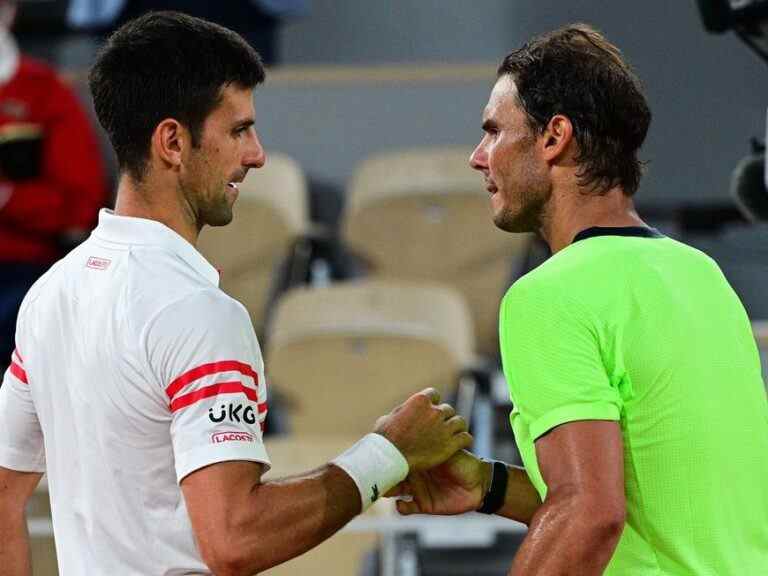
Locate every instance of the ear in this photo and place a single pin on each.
(169, 142)
(557, 137)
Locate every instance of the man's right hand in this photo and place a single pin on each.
(454, 487)
(426, 432)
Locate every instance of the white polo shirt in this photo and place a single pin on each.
(132, 369)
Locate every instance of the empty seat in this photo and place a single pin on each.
(269, 216)
(348, 353)
(424, 214)
(343, 553)
(41, 543)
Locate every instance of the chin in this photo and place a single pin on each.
(510, 223)
(220, 217)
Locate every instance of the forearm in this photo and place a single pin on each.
(284, 518)
(14, 545)
(567, 536)
(521, 500)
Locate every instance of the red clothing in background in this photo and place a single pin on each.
(66, 197)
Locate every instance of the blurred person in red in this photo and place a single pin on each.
(51, 176)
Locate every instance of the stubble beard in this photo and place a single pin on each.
(208, 207)
(529, 217)
(217, 211)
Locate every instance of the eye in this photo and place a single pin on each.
(240, 130)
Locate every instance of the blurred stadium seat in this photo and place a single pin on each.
(342, 554)
(41, 542)
(270, 217)
(348, 353)
(423, 214)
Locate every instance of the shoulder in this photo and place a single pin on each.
(200, 327)
(207, 312)
(48, 281)
(688, 254)
(544, 283)
(560, 289)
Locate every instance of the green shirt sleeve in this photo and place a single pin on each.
(552, 359)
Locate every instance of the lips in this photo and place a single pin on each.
(237, 179)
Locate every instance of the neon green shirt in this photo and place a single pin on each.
(627, 325)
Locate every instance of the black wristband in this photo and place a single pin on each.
(494, 498)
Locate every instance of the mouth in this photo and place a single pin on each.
(491, 188)
(237, 180)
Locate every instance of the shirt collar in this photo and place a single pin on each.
(145, 232)
(637, 231)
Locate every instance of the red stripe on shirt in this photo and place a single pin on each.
(18, 356)
(214, 390)
(208, 369)
(19, 372)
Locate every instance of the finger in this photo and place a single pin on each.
(447, 410)
(432, 394)
(457, 424)
(420, 491)
(405, 508)
(463, 440)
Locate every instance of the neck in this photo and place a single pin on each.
(571, 211)
(145, 200)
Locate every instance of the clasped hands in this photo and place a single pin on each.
(444, 477)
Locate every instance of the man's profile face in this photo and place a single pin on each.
(515, 177)
(229, 146)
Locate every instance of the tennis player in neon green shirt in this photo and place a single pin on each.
(639, 407)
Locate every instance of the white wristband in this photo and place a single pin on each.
(376, 466)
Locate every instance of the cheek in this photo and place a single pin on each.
(500, 161)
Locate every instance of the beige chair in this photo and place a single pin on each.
(41, 543)
(269, 216)
(424, 214)
(343, 553)
(760, 328)
(346, 354)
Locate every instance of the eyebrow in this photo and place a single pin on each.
(246, 123)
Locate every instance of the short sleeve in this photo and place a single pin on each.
(205, 357)
(552, 360)
(21, 438)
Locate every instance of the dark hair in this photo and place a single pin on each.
(576, 72)
(165, 65)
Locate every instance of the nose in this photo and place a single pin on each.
(255, 156)
(479, 157)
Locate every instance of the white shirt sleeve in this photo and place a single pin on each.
(203, 352)
(21, 438)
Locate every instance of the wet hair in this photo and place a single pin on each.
(165, 65)
(576, 72)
